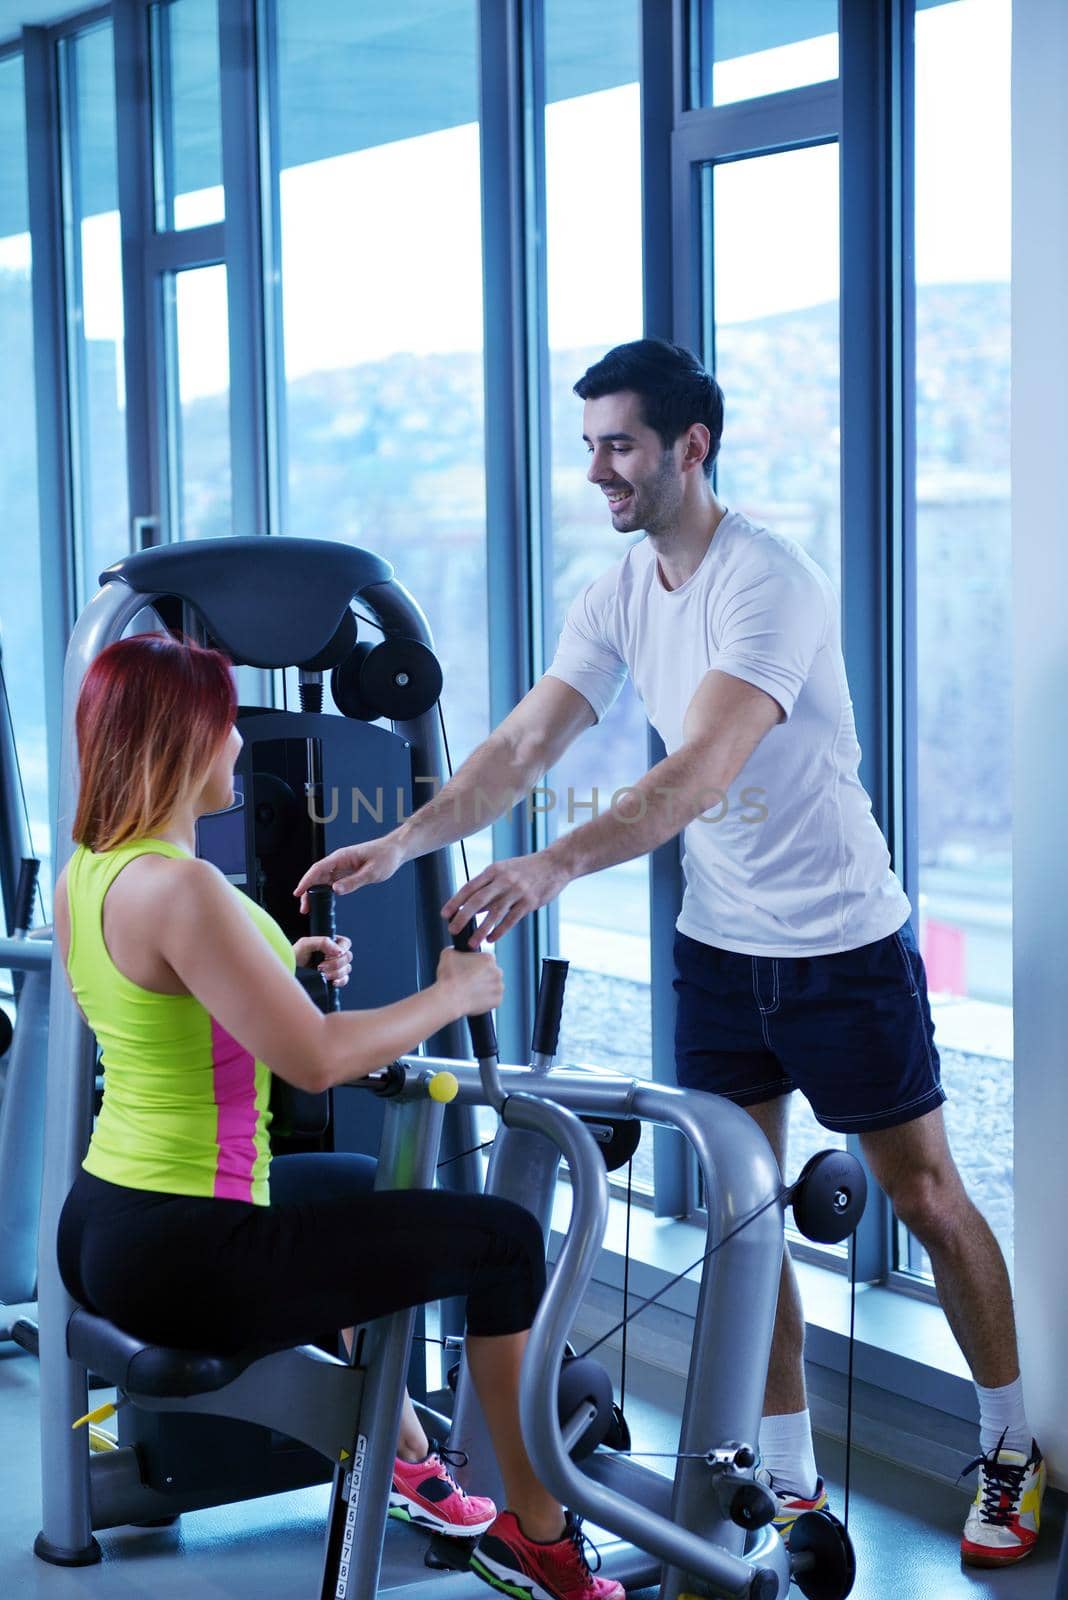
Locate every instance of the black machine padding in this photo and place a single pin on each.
(141, 1368)
(234, 584)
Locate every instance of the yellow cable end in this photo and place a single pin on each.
(443, 1087)
(101, 1414)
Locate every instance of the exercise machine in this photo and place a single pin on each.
(281, 602)
(25, 952)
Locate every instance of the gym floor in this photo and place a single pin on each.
(905, 1527)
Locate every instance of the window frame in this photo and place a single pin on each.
(868, 110)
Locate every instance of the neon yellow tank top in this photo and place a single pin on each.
(186, 1108)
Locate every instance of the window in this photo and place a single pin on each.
(379, 208)
(964, 582)
(739, 50)
(188, 124)
(20, 556)
(773, 226)
(199, 400)
(770, 236)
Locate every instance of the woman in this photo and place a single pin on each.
(170, 1230)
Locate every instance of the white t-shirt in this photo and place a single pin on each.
(793, 862)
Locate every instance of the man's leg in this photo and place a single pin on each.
(785, 1389)
(786, 1430)
(914, 1166)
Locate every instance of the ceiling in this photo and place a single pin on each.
(18, 14)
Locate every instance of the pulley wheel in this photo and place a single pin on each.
(583, 1379)
(752, 1506)
(616, 1138)
(345, 686)
(402, 677)
(829, 1196)
(822, 1561)
(275, 812)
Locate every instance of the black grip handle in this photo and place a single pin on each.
(25, 889)
(483, 1033)
(321, 920)
(550, 1006)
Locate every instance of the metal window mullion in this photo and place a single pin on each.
(161, 78)
(187, 249)
(66, 64)
(250, 445)
(871, 411)
(539, 588)
(905, 840)
(51, 381)
(504, 31)
(270, 122)
(146, 422)
(675, 1182)
(905, 845)
(771, 122)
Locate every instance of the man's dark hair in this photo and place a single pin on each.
(675, 389)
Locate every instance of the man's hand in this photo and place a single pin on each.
(353, 867)
(336, 964)
(505, 891)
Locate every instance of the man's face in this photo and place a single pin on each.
(639, 478)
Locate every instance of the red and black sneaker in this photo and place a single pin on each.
(515, 1565)
(426, 1493)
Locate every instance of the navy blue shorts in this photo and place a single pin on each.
(852, 1031)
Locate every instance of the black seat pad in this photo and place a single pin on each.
(152, 1369)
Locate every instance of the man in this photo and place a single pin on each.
(796, 966)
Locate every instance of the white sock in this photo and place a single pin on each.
(786, 1451)
(1001, 1411)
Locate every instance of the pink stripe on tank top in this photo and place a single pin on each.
(234, 1075)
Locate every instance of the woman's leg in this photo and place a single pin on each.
(494, 1363)
(336, 1176)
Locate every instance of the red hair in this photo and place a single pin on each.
(152, 714)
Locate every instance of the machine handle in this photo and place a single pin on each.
(483, 1033)
(25, 890)
(550, 1006)
(321, 920)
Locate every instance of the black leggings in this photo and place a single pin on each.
(327, 1252)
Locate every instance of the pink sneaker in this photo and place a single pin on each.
(510, 1562)
(427, 1494)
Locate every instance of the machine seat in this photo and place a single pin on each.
(152, 1369)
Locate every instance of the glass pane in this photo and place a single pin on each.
(382, 309)
(595, 301)
(200, 384)
(94, 290)
(964, 580)
(771, 229)
(20, 556)
(188, 117)
(739, 50)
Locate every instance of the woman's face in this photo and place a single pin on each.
(218, 790)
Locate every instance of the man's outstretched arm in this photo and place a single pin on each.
(724, 723)
(500, 771)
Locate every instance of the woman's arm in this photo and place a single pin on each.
(227, 964)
